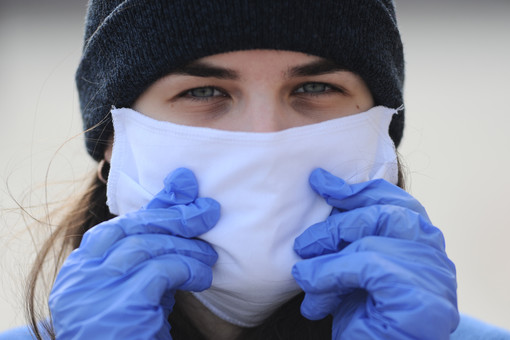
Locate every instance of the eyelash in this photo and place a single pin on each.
(328, 89)
(188, 93)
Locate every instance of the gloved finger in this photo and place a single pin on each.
(429, 265)
(315, 306)
(318, 306)
(169, 273)
(186, 221)
(363, 320)
(180, 187)
(126, 254)
(344, 196)
(146, 287)
(341, 229)
(411, 315)
(372, 265)
(396, 299)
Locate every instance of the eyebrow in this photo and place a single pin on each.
(205, 70)
(314, 68)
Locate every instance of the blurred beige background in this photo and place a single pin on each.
(456, 145)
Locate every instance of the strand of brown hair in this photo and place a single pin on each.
(87, 211)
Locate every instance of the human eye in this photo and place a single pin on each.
(203, 93)
(314, 88)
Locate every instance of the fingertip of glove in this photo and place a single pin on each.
(211, 209)
(200, 276)
(298, 245)
(309, 311)
(182, 172)
(303, 247)
(296, 273)
(211, 256)
(323, 182)
(182, 185)
(317, 240)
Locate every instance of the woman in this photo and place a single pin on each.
(287, 87)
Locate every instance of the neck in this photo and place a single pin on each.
(211, 326)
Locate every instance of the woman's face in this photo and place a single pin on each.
(255, 91)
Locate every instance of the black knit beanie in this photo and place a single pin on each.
(129, 44)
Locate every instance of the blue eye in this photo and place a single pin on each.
(204, 92)
(314, 88)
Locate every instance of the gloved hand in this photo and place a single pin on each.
(377, 265)
(120, 282)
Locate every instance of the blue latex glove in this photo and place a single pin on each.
(120, 282)
(377, 265)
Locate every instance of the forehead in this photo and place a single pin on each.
(275, 56)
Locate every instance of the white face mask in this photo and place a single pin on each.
(261, 183)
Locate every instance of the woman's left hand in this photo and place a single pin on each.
(377, 265)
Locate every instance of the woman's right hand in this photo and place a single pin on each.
(120, 283)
